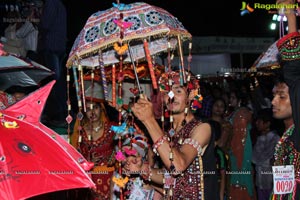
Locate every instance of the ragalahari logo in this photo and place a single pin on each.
(246, 9)
(271, 8)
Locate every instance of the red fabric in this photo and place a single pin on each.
(33, 154)
(100, 152)
(241, 119)
(238, 192)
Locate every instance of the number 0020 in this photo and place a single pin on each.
(284, 186)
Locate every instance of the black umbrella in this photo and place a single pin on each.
(15, 71)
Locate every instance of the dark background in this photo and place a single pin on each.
(212, 18)
(200, 18)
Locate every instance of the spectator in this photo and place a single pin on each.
(12, 95)
(52, 45)
(218, 112)
(12, 43)
(28, 32)
(6, 100)
(205, 111)
(19, 92)
(263, 153)
(240, 153)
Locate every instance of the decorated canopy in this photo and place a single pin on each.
(140, 21)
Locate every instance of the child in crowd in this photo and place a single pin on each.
(263, 152)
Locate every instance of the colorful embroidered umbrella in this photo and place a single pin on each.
(268, 59)
(140, 21)
(126, 33)
(34, 159)
(15, 71)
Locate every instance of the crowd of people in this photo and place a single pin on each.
(230, 147)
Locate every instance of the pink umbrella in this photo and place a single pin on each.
(34, 159)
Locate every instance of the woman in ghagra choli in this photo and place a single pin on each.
(94, 139)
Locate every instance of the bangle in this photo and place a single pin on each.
(159, 142)
(193, 143)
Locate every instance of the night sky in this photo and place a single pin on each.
(210, 18)
(213, 18)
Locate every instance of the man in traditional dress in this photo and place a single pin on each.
(286, 104)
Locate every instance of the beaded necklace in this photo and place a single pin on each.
(172, 131)
(280, 148)
(283, 151)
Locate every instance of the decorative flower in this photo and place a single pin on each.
(197, 102)
(130, 151)
(120, 156)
